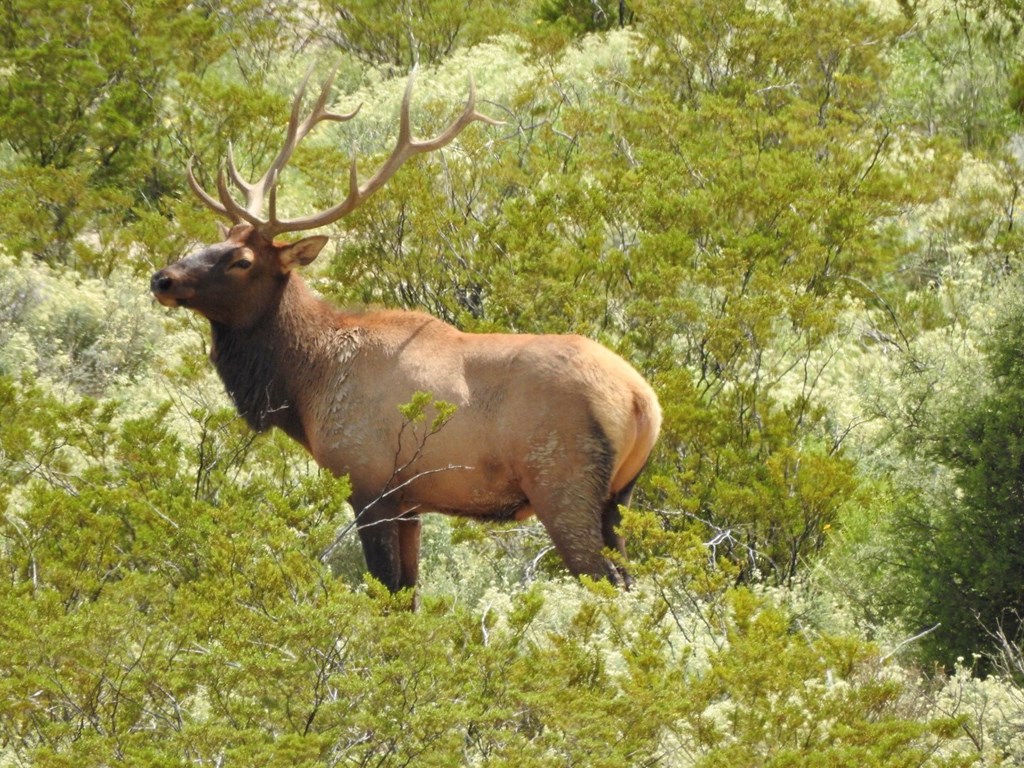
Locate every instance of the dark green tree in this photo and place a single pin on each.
(965, 555)
(82, 94)
(582, 16)
(98, 108)
(761, 172)
(394, 37)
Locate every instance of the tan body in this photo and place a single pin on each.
(504, 429)
(557, 426)
(498, 429)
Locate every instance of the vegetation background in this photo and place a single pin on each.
(801, 221)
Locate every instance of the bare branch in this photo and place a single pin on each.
(909, 640)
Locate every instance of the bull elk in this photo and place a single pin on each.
(556, 426)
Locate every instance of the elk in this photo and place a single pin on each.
(552, 425)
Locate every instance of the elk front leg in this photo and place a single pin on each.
(381, 551)
(391, 544)
(409, 551)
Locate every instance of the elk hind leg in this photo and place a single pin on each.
(573, 514)
(611, 519)
(582, 552)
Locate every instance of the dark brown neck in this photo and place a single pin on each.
(262, 366)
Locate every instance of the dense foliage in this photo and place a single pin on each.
(799, 220)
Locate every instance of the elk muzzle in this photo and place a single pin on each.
(169, 288)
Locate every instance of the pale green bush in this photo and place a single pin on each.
(87, 335)
(992, 709)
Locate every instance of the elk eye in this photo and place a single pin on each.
(242, 264)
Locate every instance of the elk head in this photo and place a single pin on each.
(234, 282)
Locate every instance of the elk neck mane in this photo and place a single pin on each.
(269, 368)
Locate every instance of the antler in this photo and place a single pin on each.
(266, 186)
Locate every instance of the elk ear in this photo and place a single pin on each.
(301, 253)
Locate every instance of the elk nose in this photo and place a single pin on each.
(161, 282)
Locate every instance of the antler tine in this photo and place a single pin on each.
(319, 112)
(201, 193)
(297, 130)
(231, 208)
(253, 192)
(293, 135)
(469, 114)
(236, 177)
(272, 205)
(405, 147)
